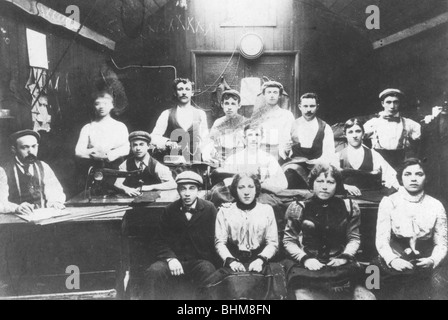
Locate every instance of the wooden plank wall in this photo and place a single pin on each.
(330, 49)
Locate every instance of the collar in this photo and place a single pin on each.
(187, 107)
(352, 150)
(410, 198)
(145, 161)
(246, 207)
(393, 118)
(20, 163)
(312, 122)
(191, 209)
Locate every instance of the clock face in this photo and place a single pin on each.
(251, 46)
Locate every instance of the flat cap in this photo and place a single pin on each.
(272, 84)
(389, 92)
(140, 135)
(232, 93)
(23, 133)
(188, 177)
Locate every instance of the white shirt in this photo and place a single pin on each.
(258, 162)
(306, 131)
(356, 158)
(387, 134)
(109, 136)
(276, 124)
(53, 190)
(185, 118)
(5, 205)
(248, 230)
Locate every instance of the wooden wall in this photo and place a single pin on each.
(76, 73)
(419, 66)
(335, 60)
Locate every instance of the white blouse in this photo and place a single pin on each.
(421, 217)
(248, 230)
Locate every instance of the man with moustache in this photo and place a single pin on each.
(312, 142)
(184, 244)
(275, 122)
(393, 136)
(182, 124)
(30, 182)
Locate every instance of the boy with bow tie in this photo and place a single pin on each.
(185, 242)
(392, 135)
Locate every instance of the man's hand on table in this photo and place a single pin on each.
(132, 192)
(25, 209)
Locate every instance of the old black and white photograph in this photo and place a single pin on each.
(207, 151)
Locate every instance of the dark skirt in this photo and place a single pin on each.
(226, 284)
(328, 279)
(416, 284)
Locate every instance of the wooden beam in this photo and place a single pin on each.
(38, 9)
(412, 31)
(93, 295)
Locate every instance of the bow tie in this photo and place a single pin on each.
(392, 119)
(188, 210)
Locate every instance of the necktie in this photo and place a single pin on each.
(142, 166)
(26, 168)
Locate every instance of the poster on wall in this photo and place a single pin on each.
(37, 49)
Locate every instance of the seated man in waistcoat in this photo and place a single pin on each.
(312, 142)
(31, 183)
(184, 124)
(363, 168)
(153, 175)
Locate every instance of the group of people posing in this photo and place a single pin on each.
(256, 246)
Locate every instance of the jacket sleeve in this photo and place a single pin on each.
(353, 234)
(292, 237)
(163, 238)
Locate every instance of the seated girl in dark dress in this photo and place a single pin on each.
(322, 237)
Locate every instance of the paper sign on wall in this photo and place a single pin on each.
(37, 49)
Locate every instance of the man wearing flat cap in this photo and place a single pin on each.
(275, 122)
(184, 244)
(392, 135)
(28, 182)
(153, 175)
(227, 134)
